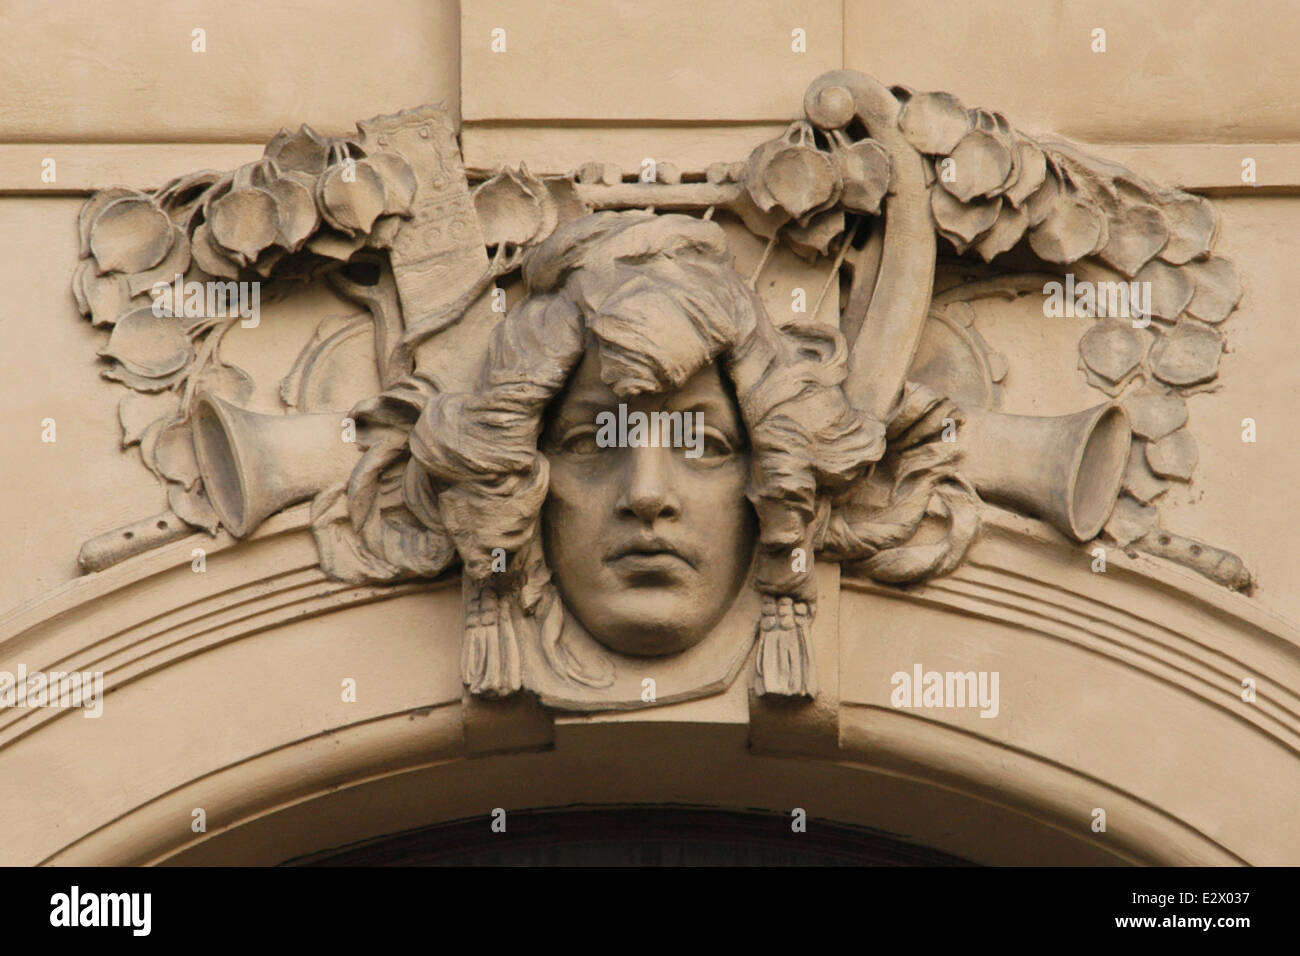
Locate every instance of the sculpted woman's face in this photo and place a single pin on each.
(649, 545)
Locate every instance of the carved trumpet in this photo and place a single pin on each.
(253, 465)
(1065, 469)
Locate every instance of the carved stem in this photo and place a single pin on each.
(835, 268)
(384, 305)
(758, 269)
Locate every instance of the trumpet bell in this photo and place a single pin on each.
(254, 465)
(1065, 469)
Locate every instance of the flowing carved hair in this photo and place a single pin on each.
(658, 298)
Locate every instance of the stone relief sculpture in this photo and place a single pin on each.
(584, 566)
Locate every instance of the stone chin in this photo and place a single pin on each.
(648, 621)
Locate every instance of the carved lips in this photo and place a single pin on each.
(648, 556)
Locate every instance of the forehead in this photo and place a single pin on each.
(585, 385)
(706, 388)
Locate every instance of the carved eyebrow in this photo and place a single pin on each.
(580, 405)
(703, 405)
(716, 409)
(576, 409)
(590, 393)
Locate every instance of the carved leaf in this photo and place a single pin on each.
(1139, 480)
(183, 192)
(1103, 234)
(78, 285)
(267, 260)
(1173, 456)
(175, 263)
(814, 239)
(174, 454)
(148, 345)
(1033, 170)
(141, 383)
(334, 244)
(755, 169)
(801, 179)
(399, 183)
(1154, 412)
(1112, 348)
(760, 223)
(963, 222)
(1044, 199)
(509, 209)
(550, 209)
(209, 256)
(226, 381)
(864, 169)
(136, 412)
(1003, 133)
(1191, 228)
(218, 189)
(106, 295)
(981, 163)
(244, 221)
(1171, 289)
(1069, 231)
(1188, 355)
(352, 205)
(1130, 520)
(130, 235)
(988, 120)
(243, 177)
(1137, 232)
(1113, 389)
(1217, 290)
(384, 232)
(96, 204)
(193, 507)
(148, 441)
(295, 201)
(1006, 232)
(188, 196)
(304, 151)
(568, 204)
(934, 122)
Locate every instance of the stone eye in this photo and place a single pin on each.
(580, 441)
(716, 444)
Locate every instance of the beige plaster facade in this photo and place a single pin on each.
(1120, 691)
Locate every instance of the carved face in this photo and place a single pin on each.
(649, 545)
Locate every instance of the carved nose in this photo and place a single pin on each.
(648, 493)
